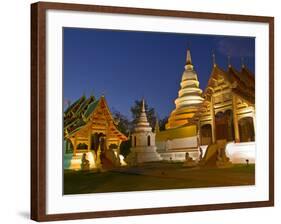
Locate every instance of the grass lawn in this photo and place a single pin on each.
(156, 176)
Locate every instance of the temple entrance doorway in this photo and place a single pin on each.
(246, 129)
(206, 134)
(97, 140)
(224, 125)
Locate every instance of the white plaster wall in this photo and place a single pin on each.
(178, 156)
(142, 139)
(179, 143)
(239, 152)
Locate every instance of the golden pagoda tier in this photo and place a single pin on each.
(189, 97)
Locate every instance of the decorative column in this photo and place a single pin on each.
(212, 109)
(118, 152)
(89, 140)
(75, 145)
(198, 133)
(66, 146)
(235, 119)
(98, 160)
(254, 122)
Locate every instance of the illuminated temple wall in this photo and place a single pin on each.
(224, 111)
(172, 144)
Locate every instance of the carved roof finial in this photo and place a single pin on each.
(92, 92)
(242, 62)
(228, 61)
(214, 59)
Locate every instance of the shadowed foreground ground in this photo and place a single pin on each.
(156, 176)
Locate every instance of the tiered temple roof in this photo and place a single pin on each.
(85, 110)
(241, 83)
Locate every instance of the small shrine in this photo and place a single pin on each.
(143, 147)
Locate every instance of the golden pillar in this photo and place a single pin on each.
(89, 140)
(98, 160)
(198, 133)
(235, 119)
(75, 145)
(66, 146)
(213, 124)
(118, 152)
(254, 123)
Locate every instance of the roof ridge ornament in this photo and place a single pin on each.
(228, 61)
(92, 92)
(242, 62)
(214, 59)
(103, 94)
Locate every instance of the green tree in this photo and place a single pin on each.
(125, 126)
(162, 123)
(125, 147)
(122, 122)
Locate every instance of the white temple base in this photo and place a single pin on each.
(142, 155)
(179, 155)
(240, 152)
(175, 149)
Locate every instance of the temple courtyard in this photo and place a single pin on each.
(156, 176)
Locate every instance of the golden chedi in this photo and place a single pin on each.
(189, 97)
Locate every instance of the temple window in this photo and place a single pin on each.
(148, 140)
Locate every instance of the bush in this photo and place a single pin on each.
(125, 148)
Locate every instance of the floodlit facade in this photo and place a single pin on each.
(91, 138)
(224, 111)
(228, 110)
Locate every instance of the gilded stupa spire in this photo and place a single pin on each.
(214, 59)
(188, 58)
(189, 96)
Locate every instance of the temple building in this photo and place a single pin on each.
(91, 138)
(225, 111)
(143, 142)
(228, 110)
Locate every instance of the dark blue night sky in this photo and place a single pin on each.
(126, 65)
